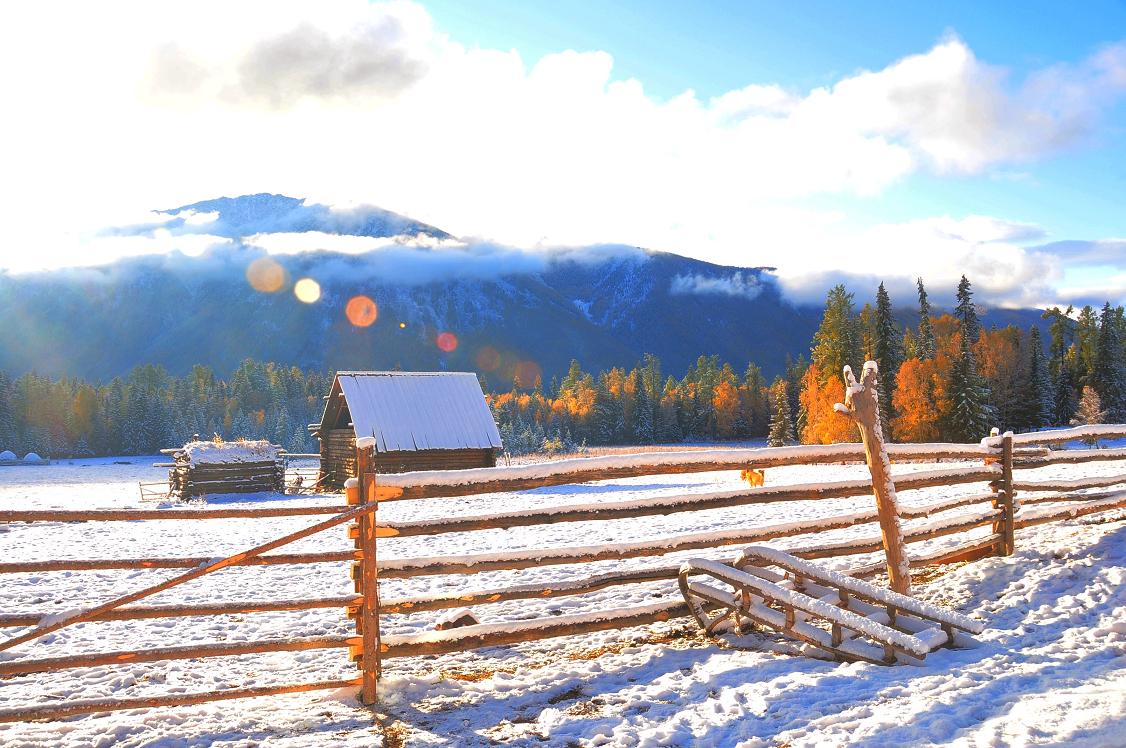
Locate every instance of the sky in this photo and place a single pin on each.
(862, 142)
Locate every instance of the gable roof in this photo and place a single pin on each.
(411, 411)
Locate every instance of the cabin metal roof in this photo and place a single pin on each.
(413, 411)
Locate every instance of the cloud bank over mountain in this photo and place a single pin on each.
(354, 102)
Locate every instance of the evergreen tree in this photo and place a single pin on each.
(886, 354)
(1086, 345)
(1109, 375)
(607, 418)
(837, 341)
(7, 416)
(781, 424)
(966, 312)
(925, 344)
(757, 402)
(795, 373)
(1037, 395)
(643, 414)
(970, 415)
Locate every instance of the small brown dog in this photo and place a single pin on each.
(753, 477)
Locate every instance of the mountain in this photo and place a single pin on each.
(508, 310)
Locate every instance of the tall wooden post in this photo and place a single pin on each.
(365, 574)
(862, 406)
(1004, 499)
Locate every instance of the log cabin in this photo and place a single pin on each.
(419, 420)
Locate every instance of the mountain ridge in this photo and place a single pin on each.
(508, 310)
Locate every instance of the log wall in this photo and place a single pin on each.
(190, 481)
(338, 458)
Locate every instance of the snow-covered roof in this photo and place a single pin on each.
(7, 455)
(412, 411)
(222, 453)
(32, 457)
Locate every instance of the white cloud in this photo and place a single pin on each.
(940, 250)
(736, 284)
(351, 101)
(289, 242)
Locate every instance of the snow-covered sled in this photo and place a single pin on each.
(847, 617)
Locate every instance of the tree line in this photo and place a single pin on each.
(941, 377)
(149, 410)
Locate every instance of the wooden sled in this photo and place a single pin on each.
(849, 618)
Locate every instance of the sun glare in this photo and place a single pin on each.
(447, 341)
(265, 275)
(488, 358)
(361, 311)
(307, 290)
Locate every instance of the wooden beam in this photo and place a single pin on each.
(368, 620)
(861, 404)
(273, 559)
(160, 654)
(140, 612)
(1059, 436)
(1005, 501)
(1070, 485)
(1072, 456)
(126, 515)
(93, 706)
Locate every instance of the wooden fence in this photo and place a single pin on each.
(995, 463)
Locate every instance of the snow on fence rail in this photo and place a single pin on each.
(998, 456)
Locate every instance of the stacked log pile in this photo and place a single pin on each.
(207, 468)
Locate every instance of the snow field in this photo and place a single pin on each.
(1054, 617)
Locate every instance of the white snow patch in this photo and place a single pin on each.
(221, 453)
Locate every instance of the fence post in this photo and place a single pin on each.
(862, 406)
(1004, 499)
(365, 574)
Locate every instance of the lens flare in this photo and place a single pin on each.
(402, 325)
(529, 374)
(447, 341)
(488, 358)
(265, 275)
(307, 290)
(361, 311)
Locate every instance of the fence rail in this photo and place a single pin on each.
(995, 458)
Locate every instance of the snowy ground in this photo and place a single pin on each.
(1049, 670)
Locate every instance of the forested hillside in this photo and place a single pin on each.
(943, 378)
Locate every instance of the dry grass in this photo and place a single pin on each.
(395, 734)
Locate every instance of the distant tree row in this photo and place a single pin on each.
(641, 406)
(944, 378)
(149, 410)
(947, 379)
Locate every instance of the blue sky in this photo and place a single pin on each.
(856, 141)
(714, 47)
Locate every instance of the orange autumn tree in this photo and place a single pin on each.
(920, 400)
(916, 403)
(725, 401)
(823, 425)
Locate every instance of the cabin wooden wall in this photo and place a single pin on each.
(338, 458)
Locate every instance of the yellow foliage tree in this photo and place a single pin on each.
(823, 425)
